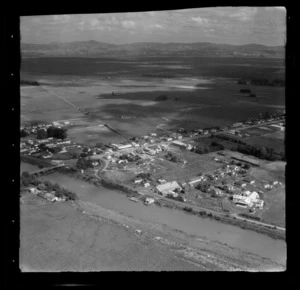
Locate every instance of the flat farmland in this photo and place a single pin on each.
(201, 93)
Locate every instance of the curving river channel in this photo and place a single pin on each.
(233, 236)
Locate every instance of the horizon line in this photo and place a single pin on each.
(91, 40)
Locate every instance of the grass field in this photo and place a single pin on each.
(275, 207)
(273, 140)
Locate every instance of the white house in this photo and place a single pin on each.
(247, 200)
(167, 187)
(149, 200)
(138, 181)
(179, 144)
(121, 146)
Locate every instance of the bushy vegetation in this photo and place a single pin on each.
(245, 91)
(41, 134)
(203, 187)
(29, 83)
(171, 157)
(214, 146)
(144, 175)
(265, 82)
(83, 163)
(27, 180)
(250, 216)
(23, 133)
(188, 209)
(266, 153)
(229, 138)
(178, 197)
(161, 98)
(59, 133)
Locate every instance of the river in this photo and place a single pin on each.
(233, 236)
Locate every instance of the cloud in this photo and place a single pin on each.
(280, 8)
(60, 19)
(156, 26)
(94, 22)
(244, 14)
(128, 24)
(200, 20)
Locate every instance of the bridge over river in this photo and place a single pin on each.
(46, 170)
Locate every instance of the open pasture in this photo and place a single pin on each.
(195, 165)
(269, 141)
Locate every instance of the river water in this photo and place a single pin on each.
(236, 237)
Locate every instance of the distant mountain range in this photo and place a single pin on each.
(94, 48)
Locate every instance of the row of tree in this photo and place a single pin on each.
(266, 153)
(55, 132)
(29, 83)
(214, 146)
(263, 82)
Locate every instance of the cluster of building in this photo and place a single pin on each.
(248, 199)
(182, 145)
(47, 195)
(170, 189)
(32, 147)
(272, 185)
(33, 128)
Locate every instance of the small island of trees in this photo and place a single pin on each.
(29, 83)
(161, 98)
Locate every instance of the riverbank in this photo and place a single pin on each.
(54, 237)
(201, 212)
(59, 237)
(210, 255)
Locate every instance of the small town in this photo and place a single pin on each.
(142, 156)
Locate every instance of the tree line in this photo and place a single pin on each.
(27, 180)
(55, 132)
(214, 146)
(29, 83)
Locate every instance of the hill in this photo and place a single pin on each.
(99, 49)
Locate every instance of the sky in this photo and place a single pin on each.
(231, 25)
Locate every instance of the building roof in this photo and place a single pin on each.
(167, 186)
(179, 143)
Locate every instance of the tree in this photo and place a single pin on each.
(59, 133)
(41, 134)
(41, 186)
(247, 166)
(161, 98)
(221, 147)
(83, 163)
(23, 133)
